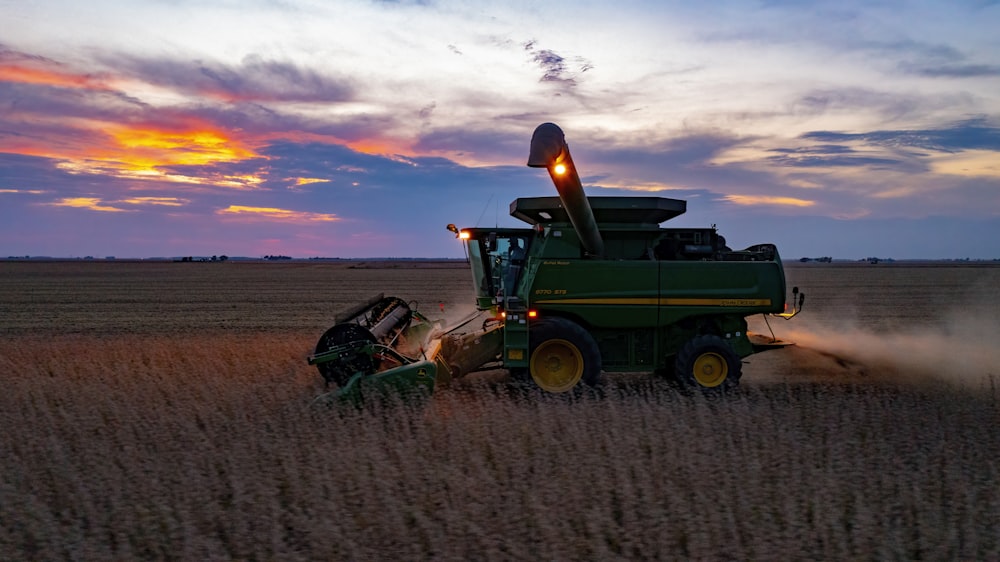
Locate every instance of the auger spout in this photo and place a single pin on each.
(549, 150)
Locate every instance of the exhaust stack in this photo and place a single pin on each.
(549, 150)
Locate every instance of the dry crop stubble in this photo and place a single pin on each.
(112, 298)
(148, 442)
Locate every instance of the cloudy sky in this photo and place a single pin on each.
(361, 128)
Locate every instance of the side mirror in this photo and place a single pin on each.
(491, 242)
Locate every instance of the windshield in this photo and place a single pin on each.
(496, 261)
(479, 280)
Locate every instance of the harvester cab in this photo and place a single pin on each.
(593, 285)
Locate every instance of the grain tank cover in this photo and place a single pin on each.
(633, 211)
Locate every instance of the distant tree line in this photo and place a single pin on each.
(213, 258)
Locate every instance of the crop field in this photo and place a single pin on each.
(163, 411)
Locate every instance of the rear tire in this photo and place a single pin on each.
(562, 354)
(708, 364)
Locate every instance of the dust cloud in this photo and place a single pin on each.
(460, 317)
(960, 349)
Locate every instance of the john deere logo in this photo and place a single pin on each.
(421, 373)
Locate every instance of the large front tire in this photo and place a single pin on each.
(562, 354)
(709, 364)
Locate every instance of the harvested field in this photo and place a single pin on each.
(161, 411)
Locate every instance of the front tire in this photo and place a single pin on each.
(707, 363)
(562, 354)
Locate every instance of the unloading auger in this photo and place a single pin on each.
(595, 285)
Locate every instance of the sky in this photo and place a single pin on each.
(361, 128)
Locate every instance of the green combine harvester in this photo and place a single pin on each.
(593, 285)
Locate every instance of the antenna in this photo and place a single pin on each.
(486, 208)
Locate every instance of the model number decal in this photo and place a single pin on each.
(745, 302)
(551, 292)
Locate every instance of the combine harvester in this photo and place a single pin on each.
(593, 285)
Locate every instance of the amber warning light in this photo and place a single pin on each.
(463, 235)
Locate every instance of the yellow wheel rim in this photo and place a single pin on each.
(556, 365)
(710, 369)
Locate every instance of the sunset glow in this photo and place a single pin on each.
(306, 181)
(971, 163)
(28, 75)
(149, 154)
(272, 214)
(89, 203)
(149, 148)
(768, 200)
(164, 201)
(197, 125)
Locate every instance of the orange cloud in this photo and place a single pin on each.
(45, 77)
(275, 214)
(381, 147)
(395, 149)
(651, 187)
(369, 147)
(124, 150)
(164, 201)
(768, 200)
(145, 149)
(307, 181)
(143, 152)
(90, 203)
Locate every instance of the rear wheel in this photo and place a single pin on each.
(708, 363)
(562, 355)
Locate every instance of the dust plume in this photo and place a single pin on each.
(459, 317)
(456, 314)
(961, 349)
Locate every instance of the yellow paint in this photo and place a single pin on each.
(556, 365)
(551, 291)
(710, 369)
(640, 301)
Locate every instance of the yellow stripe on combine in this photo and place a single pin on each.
(639, 301)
